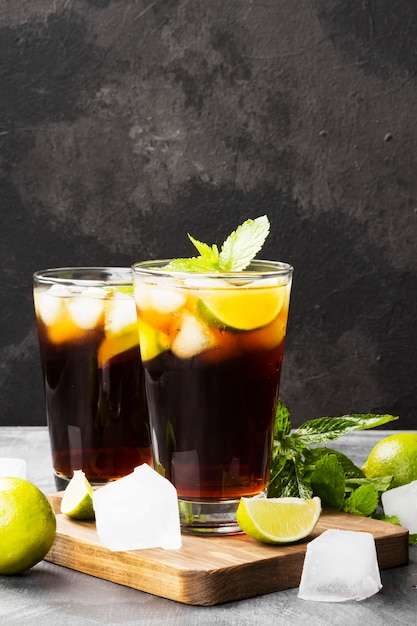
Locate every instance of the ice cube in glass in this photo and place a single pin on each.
(120, 313)
(193, 337)
(85, 312)
(340, 565)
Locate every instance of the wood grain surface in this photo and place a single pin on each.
(211, 570)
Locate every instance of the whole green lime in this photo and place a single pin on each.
(27, 525)
(395, 455)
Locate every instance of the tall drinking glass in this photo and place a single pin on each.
(212, 348)
(92, 372)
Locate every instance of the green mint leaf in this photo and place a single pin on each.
(238, 250)
(391, 519)
(349, 468)
(324, 429)
(210, 254)
(110, 291)
(282, 476)
(193, 264)
(241, 246)
(282, 427)
(381, 483)
(328, 481)
(362, 501)
(289, 482)
(412, 539)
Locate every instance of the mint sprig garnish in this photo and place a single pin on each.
(300, 471)
(236, 253)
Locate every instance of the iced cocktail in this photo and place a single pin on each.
(212, 346)
(92, 371)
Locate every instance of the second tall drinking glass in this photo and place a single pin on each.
(93, 376)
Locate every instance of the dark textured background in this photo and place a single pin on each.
(126, 123)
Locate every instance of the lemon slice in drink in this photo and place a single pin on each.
(242, 309)
(77, 501)
(278, 520)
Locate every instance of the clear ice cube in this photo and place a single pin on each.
(162, 299)
(402, 502)
(48, 307)
(84, 311)
(12, 466)
(340, 565)
(120, 313)
(138, 511)
(194, 337)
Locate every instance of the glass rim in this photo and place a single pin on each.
(257, 268)
(85, 275)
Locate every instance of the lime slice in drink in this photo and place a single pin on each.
(278, 520)
(113, 345)
(242, 309)
(152, 341)
(77, 501)
(120, 327)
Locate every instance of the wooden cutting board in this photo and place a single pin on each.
(211, 570)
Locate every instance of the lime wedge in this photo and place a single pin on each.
(152, 341)
(77, 501)
(242, 309)
(278, 520)
(114, 344)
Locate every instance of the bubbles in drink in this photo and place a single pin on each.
(340, 565)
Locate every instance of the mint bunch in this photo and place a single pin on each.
(236, 253)
(303, 471)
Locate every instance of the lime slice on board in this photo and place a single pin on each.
(245, 309)
(278, 520)
(77, 501)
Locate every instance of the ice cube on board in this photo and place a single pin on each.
(138, 511)
(12, 466)
(340, 565)
(402, 502)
